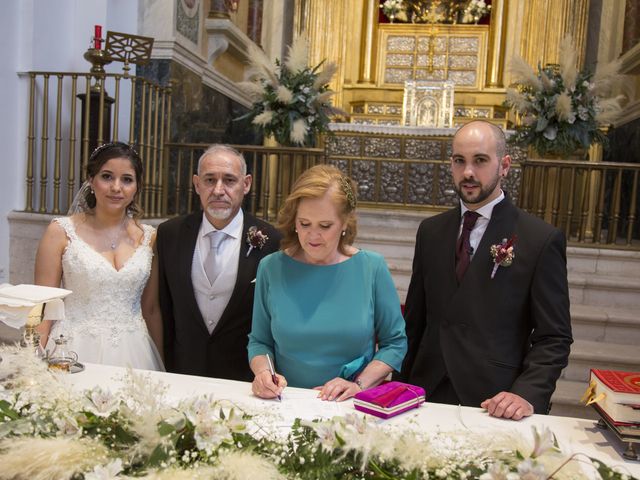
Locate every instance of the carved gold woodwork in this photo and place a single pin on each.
(432, 52)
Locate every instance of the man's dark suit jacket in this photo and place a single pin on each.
(510, 333)
(188, 347)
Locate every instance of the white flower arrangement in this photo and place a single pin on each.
(561, 108)
(291, 100)
(475, 11)
(47, 432)
(394, 9)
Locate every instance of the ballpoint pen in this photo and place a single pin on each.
(274, 377)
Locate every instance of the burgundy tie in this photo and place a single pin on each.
(463, 247)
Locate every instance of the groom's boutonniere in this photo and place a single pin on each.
(256, 239)
(503, 254)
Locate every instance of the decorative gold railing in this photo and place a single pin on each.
(140, 110)
(594, 203)
(274, 169)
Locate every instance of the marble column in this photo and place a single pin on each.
(218, 9)
(254, 21)
(631, 35)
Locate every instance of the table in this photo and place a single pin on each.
(574, 435)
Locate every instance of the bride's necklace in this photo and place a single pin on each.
(114, 240)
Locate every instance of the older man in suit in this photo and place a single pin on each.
(207, 266)
(483, 333)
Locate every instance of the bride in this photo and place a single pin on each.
(105, 257)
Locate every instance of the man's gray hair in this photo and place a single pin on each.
(221, 147)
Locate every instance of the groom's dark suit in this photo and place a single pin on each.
(510, 333)
(189, 348)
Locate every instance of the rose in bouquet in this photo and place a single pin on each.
(560, 108)
(291, 100)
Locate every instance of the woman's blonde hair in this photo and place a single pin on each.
(315, 183)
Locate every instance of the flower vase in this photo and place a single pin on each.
(392, 17)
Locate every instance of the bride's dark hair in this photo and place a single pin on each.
(102, 155)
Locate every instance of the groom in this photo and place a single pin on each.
(484, 332)
(207, 272)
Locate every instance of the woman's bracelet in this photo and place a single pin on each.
(358, 382)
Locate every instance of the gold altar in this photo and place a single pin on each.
(374, 59)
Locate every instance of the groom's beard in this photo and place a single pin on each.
(219, 213)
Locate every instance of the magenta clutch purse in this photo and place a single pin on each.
(389, 399)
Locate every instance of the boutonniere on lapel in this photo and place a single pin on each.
(256, 238)
(503, 254)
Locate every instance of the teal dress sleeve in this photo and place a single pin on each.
(388, 321)
(261, 340)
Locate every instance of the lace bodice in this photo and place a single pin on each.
(105, 302)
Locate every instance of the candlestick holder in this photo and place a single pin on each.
(31, 339)
(98, 59)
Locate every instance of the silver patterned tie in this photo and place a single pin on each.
(213, 262)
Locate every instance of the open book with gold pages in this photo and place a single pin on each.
(617, 394)
(389, 399)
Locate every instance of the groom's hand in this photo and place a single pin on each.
(508, 405)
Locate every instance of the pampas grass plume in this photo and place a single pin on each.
(523, 73)
(299, 131)
(325, 75)
(202, 473)
(263, 118)
(324, 97)
(298, 53)
(284, 94)
(563, 106)
(606, 77)
(48, 458)
(609, 109)
(253, 89)
(262, 66)
(246, 466)
(568, 61)
(518, 100)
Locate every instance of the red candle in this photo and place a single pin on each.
(97, 37)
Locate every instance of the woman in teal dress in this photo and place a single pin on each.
(327, 312)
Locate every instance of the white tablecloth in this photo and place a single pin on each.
(574, 435)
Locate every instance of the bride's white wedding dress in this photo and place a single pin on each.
(104, 322)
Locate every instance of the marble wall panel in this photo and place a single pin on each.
(188, 19)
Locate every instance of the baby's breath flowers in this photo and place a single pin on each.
(291, 100)
(135, 432)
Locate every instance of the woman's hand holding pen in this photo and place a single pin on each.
(266, 383)
(338, 389)
(264, 387)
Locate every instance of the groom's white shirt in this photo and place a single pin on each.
(213, 299)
